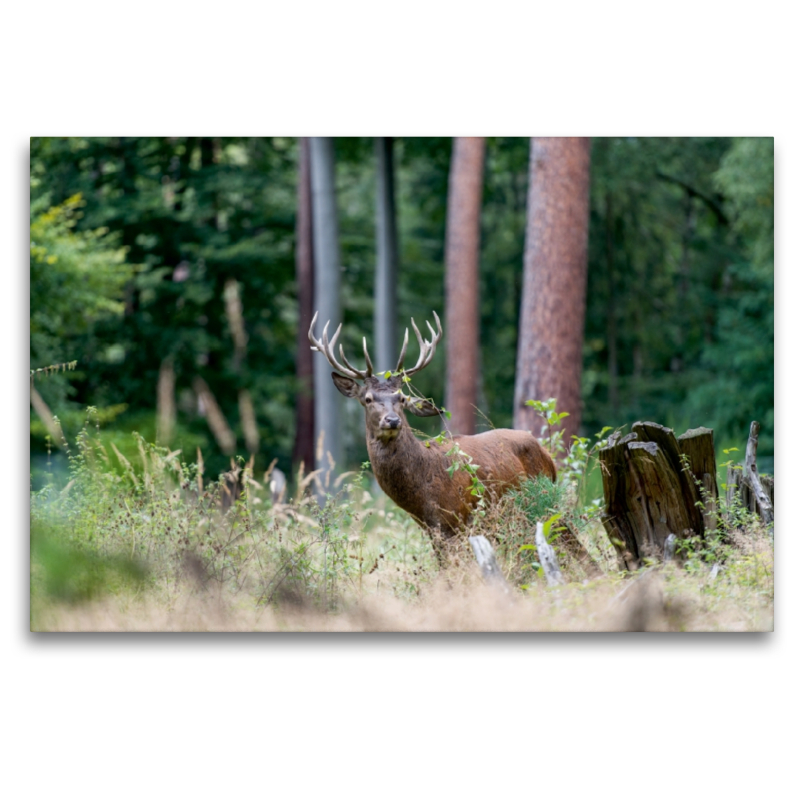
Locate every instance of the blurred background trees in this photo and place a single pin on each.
(166, 264)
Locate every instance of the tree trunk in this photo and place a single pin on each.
(611, 312)
(385, 321)
(235, 316)
(462, 253)
(165, 402)
(223, 434)
(304, 266)
(549, 354)
(327, 416)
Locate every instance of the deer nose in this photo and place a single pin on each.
(391, 421)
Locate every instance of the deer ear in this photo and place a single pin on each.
(421, 408)
(347, 386)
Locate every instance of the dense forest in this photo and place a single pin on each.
(170, 264)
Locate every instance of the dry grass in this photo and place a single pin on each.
(658, 599)
(357, 565)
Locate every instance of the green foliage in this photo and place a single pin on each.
(679, 307)
(67, 573)
(539, 498)
(77, 281)
(153, 524)
(679, 321)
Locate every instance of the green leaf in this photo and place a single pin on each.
(387, 374)
(548, 524)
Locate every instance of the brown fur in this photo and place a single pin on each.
(415, 475)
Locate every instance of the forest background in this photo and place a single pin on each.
(179, 254)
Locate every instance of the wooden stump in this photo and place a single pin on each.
(487, 561)
(649, 494)
(697, 445)
(751, 477)
(756, 491)
(665, 439)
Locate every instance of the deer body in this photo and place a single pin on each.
(416, 477)
(414, 473)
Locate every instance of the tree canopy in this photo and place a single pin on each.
(133, 241)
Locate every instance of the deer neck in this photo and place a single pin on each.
(397, 461)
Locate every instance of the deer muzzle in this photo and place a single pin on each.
(389, 426)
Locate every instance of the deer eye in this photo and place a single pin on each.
(367, 399)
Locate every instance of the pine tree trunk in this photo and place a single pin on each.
(327, 416)
(304, 266)
(462, 253)
(549, 354)
(385, 322)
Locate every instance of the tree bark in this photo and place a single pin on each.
(327, 415)
(462, 254)
(549, 353)
(668, 444)
(648, 494)
(697, 445)
(385, 320)
(304, 267)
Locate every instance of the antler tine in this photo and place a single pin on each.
(426, 348)
(311, 338)
(358, 372)
(423, 350)
(326, 348)
(402, 353)
(435, 337)
(366, 357)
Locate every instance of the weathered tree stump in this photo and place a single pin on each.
(665, 439)
(750, 476)
(757, 492)
(547, 558)
(697, 445)
(487, 561)
(649, 493)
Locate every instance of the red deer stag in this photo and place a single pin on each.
(414, 474)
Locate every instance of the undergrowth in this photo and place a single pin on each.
(152, 543)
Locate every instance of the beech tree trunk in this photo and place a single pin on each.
(462, 252)
(385, 320)
(549, 354)
(327, 414)
(304, 268)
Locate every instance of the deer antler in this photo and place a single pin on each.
(426, 348)
(326, 348)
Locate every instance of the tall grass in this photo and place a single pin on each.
(150, 543)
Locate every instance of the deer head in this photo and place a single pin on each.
(383, 398)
